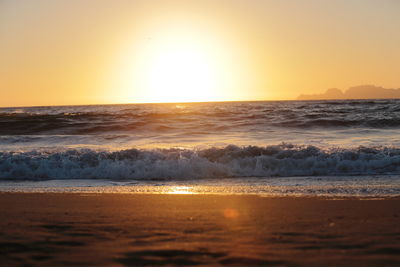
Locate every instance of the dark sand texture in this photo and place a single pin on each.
(134, 230)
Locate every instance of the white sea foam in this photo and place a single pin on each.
(173, 164)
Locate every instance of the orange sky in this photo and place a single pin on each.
(97, 51)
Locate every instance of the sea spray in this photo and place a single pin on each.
(172, 164)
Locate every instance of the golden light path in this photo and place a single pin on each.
(180, 190)
(228, 212)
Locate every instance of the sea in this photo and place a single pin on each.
(270, 148)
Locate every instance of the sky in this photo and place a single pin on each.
(71, 52)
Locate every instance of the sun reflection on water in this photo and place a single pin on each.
(180, 190)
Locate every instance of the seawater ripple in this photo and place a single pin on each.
(185, 118)
(282, 160)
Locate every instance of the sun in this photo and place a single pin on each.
(179, 74)
(178, 63)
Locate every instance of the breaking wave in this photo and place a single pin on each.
(172, 164)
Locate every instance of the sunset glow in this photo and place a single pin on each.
(178, 63)
(192, 51)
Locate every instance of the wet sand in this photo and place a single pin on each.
(135, 230)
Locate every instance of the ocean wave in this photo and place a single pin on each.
(171, 118)
(107, 123)
(240, 116)
(173, 164)
(318, 121)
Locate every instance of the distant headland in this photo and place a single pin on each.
(356, 92)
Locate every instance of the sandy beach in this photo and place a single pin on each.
(138, 230)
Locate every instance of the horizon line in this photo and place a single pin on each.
(195, 102)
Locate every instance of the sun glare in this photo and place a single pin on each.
(183, 75)
(178, 64)
(180, 190)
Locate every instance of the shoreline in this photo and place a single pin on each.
(182, 229)
(320, 186)
(266, 196)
